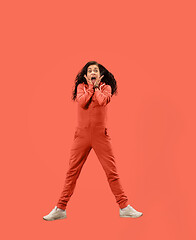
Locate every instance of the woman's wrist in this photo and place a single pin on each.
(90, 86)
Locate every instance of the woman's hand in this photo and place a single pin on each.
(98, 81)
(88, 80)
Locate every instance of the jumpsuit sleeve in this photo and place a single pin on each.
(83, 96)
(104, 96)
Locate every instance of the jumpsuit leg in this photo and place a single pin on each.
(79, 152)
(102, 146)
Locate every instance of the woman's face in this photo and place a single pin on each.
(93, 73)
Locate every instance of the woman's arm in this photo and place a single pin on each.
(103, 96)
(83, 96)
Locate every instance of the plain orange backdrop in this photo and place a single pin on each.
(149, 46)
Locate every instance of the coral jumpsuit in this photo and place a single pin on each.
(92, 132)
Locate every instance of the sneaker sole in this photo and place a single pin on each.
(131, 216)
(54, 219)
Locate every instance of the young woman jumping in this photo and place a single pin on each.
(94, 88)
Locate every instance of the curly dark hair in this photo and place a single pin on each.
(108, 78)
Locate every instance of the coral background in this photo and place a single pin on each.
(149, 46)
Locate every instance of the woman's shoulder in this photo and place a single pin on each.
(81, 84)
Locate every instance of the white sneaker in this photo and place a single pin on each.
(130, 212)
(55, 214)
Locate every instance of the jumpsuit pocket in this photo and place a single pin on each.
(106, 133)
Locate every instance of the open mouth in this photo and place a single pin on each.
(93, 78)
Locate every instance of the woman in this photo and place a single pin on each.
(94, 88)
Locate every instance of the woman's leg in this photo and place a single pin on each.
(102, 146)
(78, 155)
